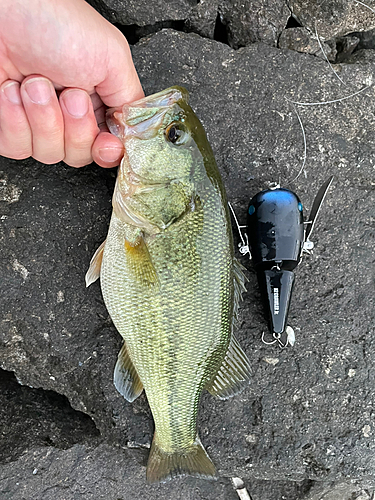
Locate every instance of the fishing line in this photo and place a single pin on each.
(365, 5)
(300, 103)
(304, 147)
(326, 58)
(329, 102)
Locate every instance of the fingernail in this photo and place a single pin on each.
(110, 155)
(76, 103)
(12, 92)
(39, 90)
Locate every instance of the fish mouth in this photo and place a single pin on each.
(162, 99)
(142, 118)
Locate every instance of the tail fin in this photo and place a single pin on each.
(192, 461)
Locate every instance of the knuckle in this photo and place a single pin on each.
(15, 152)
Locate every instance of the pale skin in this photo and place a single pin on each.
(61, 65)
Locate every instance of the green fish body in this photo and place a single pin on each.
(169, 278)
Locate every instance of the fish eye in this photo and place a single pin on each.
(175, 134)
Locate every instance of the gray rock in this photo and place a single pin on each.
(308, 415)
(343, 490)
(202, 19)
(366, 39)
(31, 417)
(302, 40)
(54, 333)
(142, 13)
(334, 17)
(102, 473)
(345, 46)
(249, 21)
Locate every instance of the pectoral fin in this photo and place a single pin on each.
(140, 262)
(233, 375)
(125, 376)
(93, 272)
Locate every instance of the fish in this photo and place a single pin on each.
(169, 278)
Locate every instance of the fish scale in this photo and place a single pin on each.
(167, 277)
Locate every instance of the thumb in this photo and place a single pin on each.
(121, 84)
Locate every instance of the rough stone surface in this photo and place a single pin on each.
(250, 21)
(301, 40)
(307, 420)
(142, 13)
(334, 17)
(54, 333)
(343, 490)
(102, 473)
(366, 39)
(30, 417)
(202, 19)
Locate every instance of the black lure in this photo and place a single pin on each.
(275, 238)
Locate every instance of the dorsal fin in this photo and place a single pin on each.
(239, 280)
(93, 272)
(125, 376)
(233, 375)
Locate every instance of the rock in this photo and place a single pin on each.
(102, 473)
(333, 18)
(301, 40)
(54, 333)
(202, 19)
(338, 49)
(343, 490)
(34, 417)
(140, 13)
(366, 39)
(249, 21)
(307, 418)
(345, 46)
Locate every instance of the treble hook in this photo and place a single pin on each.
(277, 338)
(290, 338)
(244, 245)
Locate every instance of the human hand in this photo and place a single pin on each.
(61, 64)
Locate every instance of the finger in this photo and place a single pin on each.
(45, 118)
(15, 133)
(122, 83)
(107, 150)
(100, 111)
(80, 127)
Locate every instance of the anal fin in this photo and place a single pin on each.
(93, 272)
(234, 373)
(125, 376)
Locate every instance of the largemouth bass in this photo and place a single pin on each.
(169, 278)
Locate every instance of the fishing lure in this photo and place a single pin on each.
(276, 237)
